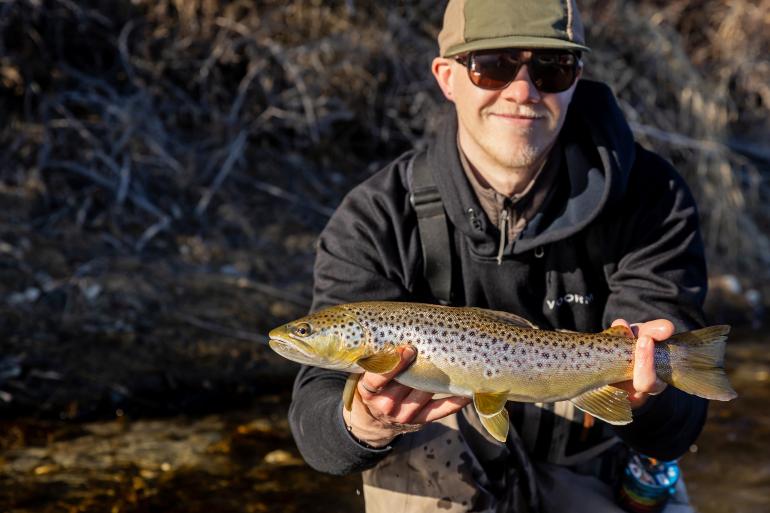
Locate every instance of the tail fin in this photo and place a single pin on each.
(696, 361)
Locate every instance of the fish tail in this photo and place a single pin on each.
(696, 363)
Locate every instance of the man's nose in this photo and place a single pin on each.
(522, 89)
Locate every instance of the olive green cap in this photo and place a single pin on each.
(489, 24)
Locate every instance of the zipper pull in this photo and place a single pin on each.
(503, 234)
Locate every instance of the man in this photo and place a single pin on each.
(554, 214)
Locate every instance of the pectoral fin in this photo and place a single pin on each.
(492, 413)
(380, 363)
(350, 390)
(607, 403)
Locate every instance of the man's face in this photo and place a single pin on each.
(513, 127)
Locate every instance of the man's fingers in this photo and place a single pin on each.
(659, 329)
(388, 400)
(645, 378)
(621, 322)
(440, 408)
(372, 384)
(411, 405)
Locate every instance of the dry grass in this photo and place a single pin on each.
(158, 114)
(215, 138)
(686, 76)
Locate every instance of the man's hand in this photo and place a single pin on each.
(383, 408)
(646, 381)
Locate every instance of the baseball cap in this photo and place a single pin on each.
(490, 24)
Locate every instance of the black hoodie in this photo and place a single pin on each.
(617, 237)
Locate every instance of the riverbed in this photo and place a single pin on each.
(245, 460)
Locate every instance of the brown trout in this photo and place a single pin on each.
(495, 357)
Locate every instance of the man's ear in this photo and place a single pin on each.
(442, 72)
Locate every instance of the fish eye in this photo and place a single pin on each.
(302, 329)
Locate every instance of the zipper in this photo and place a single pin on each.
(504, 220)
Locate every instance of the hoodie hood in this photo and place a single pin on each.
(599, 152)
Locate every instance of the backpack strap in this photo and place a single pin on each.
(433, 228)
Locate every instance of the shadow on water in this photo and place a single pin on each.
(245, 460)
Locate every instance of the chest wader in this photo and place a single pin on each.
(453, 465)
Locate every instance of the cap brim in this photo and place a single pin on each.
(523, 42)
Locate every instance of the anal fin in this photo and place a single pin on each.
(608, 403)
(492, 413)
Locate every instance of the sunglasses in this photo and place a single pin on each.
(552, 71)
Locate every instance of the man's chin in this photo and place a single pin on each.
(522, 156)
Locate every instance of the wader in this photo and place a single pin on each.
(454, 466)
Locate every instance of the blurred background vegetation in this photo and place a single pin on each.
(168, 164)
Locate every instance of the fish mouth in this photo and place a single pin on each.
(293, 350)
(289, 350)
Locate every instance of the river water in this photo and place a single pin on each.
(245, 461)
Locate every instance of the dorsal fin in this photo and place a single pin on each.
(505, 317)
(619, 331)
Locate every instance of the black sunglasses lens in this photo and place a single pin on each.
(551, 72)
(493, 70)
